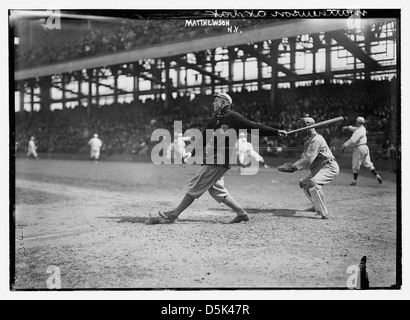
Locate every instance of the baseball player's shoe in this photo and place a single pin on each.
(169, 216)
(354, 183)
(240, 219)
(321, 216)
(379, 179)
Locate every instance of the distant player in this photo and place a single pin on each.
(179, 146)
(323, 167)
(246, 152)
(169, 149)
(95, 147)
(361, 152)
(32, 148)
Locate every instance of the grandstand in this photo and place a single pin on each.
(114, 75)
(81, 224)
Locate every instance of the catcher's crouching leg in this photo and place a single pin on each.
(318, 199)
(305, 190)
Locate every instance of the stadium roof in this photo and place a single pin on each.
(288, 28)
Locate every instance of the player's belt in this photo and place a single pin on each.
(327, 161)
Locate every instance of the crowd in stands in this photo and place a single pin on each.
(118, 36)
(127, 128)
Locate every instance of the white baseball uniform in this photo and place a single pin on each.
(361, 152)
(95, 147)
(179, 146)
(246, 152)
(323, 169)
(32, 149)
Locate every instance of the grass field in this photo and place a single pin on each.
(90, 221)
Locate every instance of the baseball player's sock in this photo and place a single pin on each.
(374, 172)
(379, 179)
(354, 182)
(319, 201)
(234, 205)
(185, 203)
(311, 209)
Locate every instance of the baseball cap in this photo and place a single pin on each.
(307, 121)
(224, 96)
(95, 135)
(360, 119)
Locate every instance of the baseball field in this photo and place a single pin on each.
(88, 223)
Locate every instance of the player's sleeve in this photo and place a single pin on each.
(202, 142)
(245, 124)
(309, 155)
(353, 139)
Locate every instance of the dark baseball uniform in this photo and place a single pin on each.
(211, 175)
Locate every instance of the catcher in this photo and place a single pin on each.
(322, 164)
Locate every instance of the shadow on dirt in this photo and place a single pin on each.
(287, 213)
(273, 212)
(156, 220)
(125, 219)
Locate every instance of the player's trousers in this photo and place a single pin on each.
(361, 156)
(209, 178)
(246, 157)
(321, 175)
(179, 152)
(95, 153)
(32, 152)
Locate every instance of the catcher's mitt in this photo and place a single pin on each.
(287, 167)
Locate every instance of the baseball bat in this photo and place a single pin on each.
(318, 125)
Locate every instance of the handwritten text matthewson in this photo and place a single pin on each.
(327, 13)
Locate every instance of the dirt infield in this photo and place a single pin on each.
(90, 220)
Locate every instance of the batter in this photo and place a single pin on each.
(210, 176)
